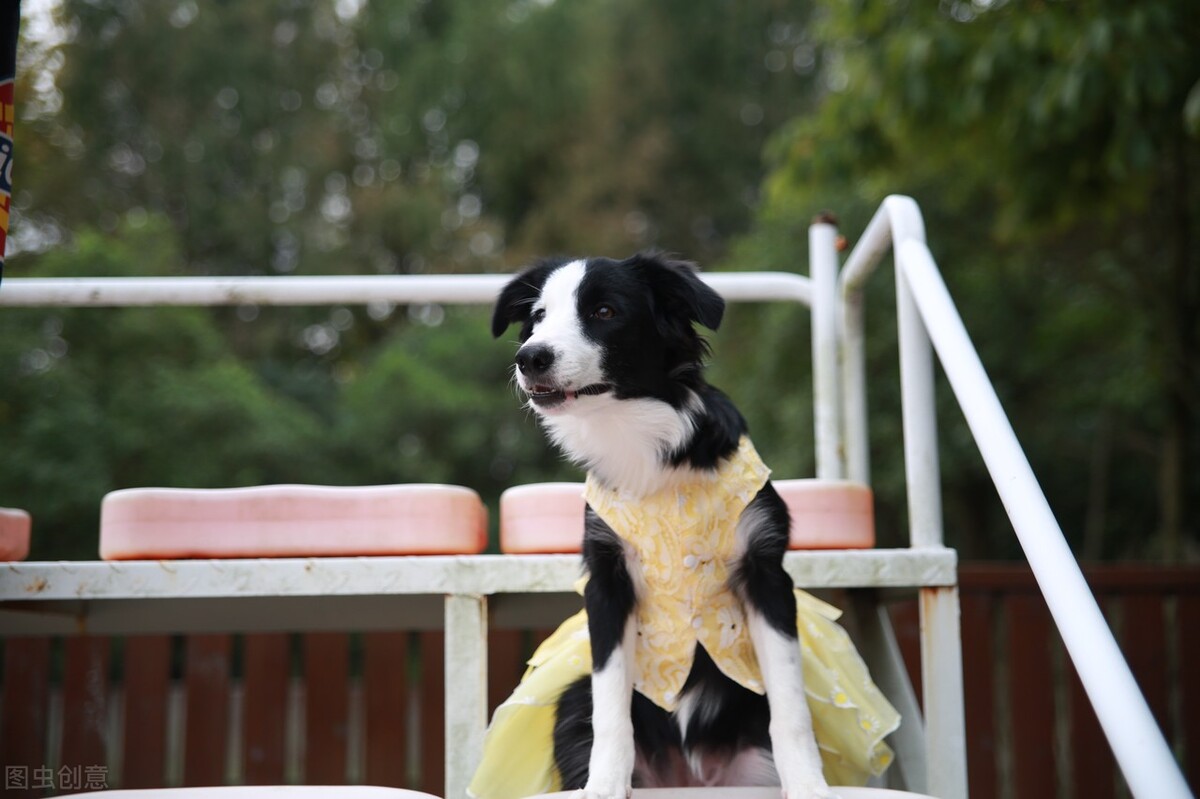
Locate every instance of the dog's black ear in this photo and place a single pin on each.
(516, 298)
(679, 290)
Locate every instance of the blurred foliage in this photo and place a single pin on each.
(100, 399)
(326, 137)
(1052, 146)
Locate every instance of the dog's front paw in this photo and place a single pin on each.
(610, 770)
(604, 789)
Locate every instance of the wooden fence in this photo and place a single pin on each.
(333, 708)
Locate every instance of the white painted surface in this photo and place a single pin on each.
(55, 581)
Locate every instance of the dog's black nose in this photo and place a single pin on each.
(534, 359)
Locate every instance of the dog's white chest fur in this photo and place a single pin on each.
(623, 442)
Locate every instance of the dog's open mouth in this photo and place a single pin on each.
(548, 396)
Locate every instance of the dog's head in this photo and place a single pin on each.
(596, 330)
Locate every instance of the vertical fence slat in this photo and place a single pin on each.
(1143, 642)
(433, 712)
(207, 724)
(1092, 763)
(385, 680)
(326, 707)
(1031, 694)
(266, 674)
(979, 692)
(146, 685)
(26, 698)
(85, 709)
(505, 650)
(1187, 633)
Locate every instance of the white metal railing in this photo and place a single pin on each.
(927, 320)
(943, 770)
(935, 748)
(465, 608)
(927, 315)
(333, 290)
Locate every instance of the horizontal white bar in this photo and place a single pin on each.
(425, 574)
(333, 290)
(761, 286)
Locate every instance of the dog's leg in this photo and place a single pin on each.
(767, 591)
(610, 769)
(792, 741)
(610, 598)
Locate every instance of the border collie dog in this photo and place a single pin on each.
(612, 365)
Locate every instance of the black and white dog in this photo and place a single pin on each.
(612, 364)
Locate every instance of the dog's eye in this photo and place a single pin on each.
(538, 315)
(604, 312)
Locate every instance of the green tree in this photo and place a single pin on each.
(101, 399)
(1054, 154)
(322, 137)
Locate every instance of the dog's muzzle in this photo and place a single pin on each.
(545, 396)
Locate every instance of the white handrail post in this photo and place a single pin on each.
(898, 218)
(942, 689)
(919, 409)
(466, 689)
(922, 474)
(941, 645)
(854, 386)
(876, 239)
(823, 264)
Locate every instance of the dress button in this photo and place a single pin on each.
(690, 561)
(697, 622)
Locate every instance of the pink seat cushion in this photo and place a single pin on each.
(291, 521)
(14, 534)
(826, 514)
(541, 517)
(829, 514)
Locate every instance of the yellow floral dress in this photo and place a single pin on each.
(684, 538)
